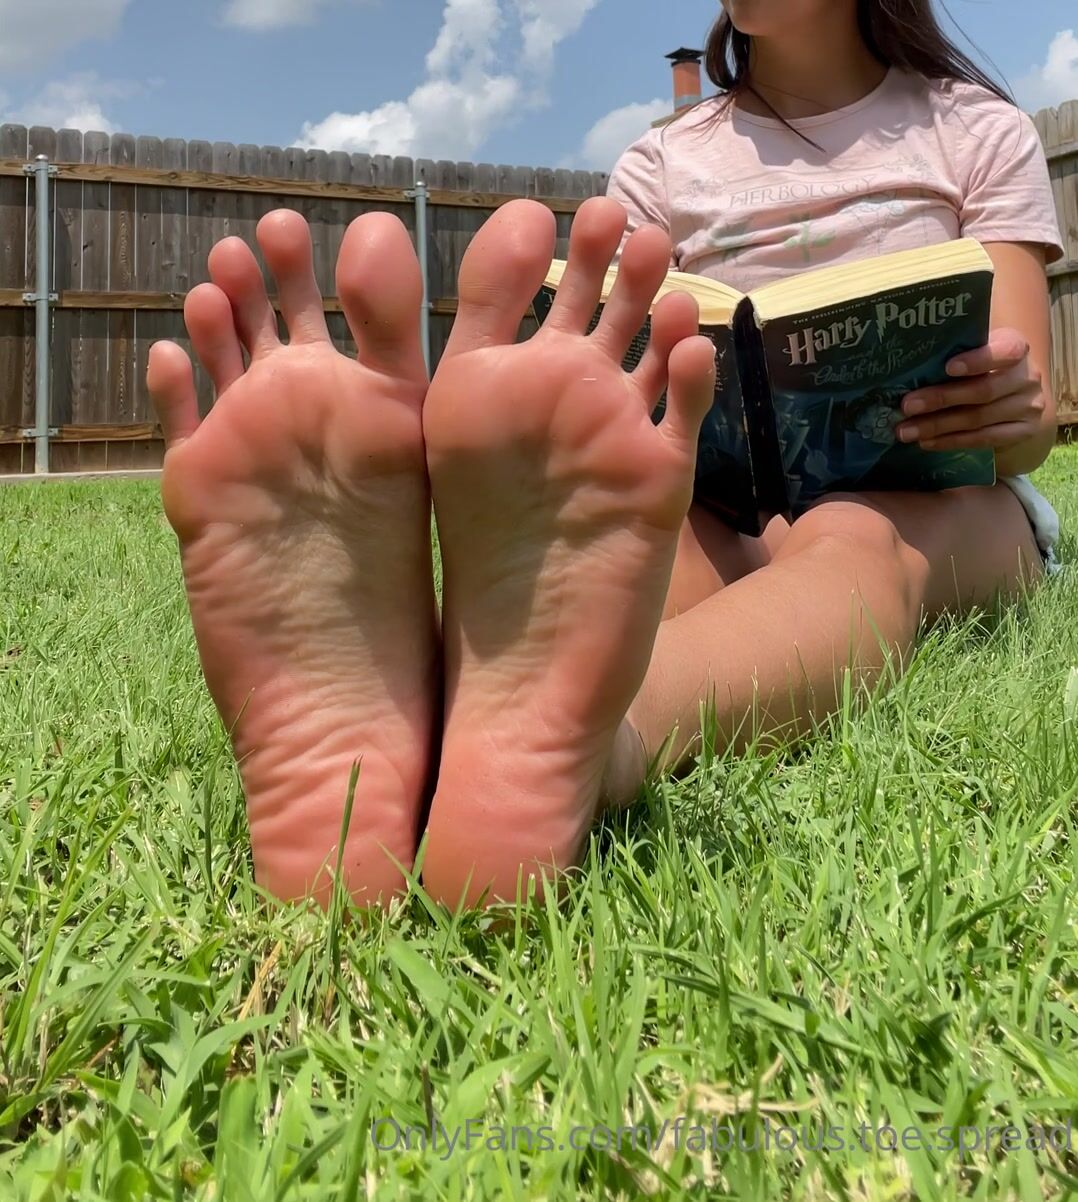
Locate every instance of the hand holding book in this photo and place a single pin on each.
(996, 403)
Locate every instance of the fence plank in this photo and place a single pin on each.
(332, 221)
(66, 274)
(122, 249)
(442, 229)
(13, 146)
(249, 206)
(14, 323)
(316, 169)
(175, 264)
(200, 207)
(150, 269)
(90, 400)
(1065, 288)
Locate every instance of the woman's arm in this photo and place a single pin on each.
(1006, 400)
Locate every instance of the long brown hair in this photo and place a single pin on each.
(899, 33)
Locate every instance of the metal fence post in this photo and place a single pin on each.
(41, 298)
(419, 195)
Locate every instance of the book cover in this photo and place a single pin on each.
(837, 377)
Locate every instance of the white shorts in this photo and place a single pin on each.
(1042, 517)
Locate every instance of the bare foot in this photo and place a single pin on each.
(558, 505)
(302, 508)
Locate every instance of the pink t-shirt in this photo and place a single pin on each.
(915, 162)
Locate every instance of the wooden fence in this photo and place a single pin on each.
(1058, 129)
(133, 220)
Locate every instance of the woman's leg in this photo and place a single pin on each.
(845, 587)
(712, 555)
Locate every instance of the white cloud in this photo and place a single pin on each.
(1056, 79)
(31, 30)
(468, 37)
(465, 96)
(545, 24)
(610, 135)
(440, 119)
(271, 14)
(72, 103)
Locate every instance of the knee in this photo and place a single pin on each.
(881, 558)
(852, 519)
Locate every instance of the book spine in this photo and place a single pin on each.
(769, 478)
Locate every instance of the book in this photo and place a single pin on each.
(811, 372)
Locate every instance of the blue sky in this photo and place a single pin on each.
(538, 82)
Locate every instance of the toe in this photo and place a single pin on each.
(691, 393)
(381, 290)
(171, 384)
(501, 274)
(642, 268)
(235, 270)
(676, 317)
(285, 239)
(207, 314)
(594, 240)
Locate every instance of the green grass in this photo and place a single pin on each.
(878, 928)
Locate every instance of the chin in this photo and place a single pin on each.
(752, 17)
(766, 18)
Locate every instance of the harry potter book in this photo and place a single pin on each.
(811, 372)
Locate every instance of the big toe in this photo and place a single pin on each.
(381, 289)
(501, 273)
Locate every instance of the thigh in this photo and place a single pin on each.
(711, 555)
(958, 548)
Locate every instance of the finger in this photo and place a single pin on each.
(1004, 348)
(381, 291)
(208, 317)
(593, 241)
(643, 267)
(171, 384)
(285, 239)
(692, 391)
(676, 318)
(235, 270)
(1017, 407)
(980, 390)
(1008, 434)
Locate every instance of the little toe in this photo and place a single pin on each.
(285, 239)
(235, 270)
(502, 271)
(171, 385)
(381, 290)
(593, 241)
(691, 393)
(207, 314)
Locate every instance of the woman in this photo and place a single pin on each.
(845, 130)
(589, 612)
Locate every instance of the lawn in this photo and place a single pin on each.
(870, 944)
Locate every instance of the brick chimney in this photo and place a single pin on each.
(687, 87)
